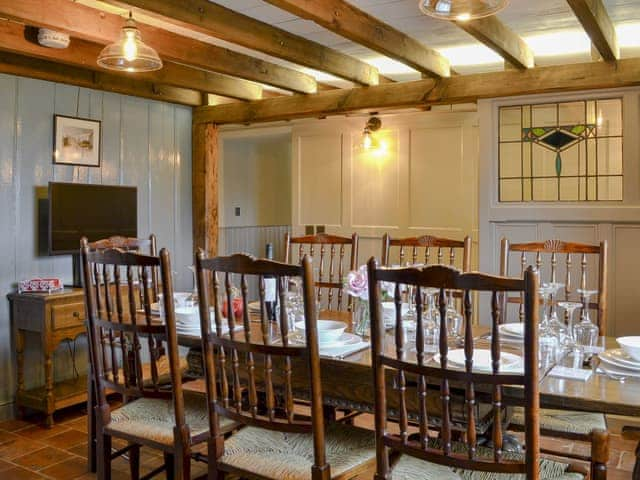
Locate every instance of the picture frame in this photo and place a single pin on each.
(77, 141)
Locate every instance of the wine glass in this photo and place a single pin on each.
(555, 324)
(547, 338)
(586, 332)
(431, 317)
(570, 307)
(454, 319)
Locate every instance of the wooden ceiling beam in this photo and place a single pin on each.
(501, 39)
(226, 24)
(17, 38)
(350, 22)
(421, 93)
(102, 27)
(595, 20)
(57, 72)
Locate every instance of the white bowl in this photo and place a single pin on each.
(329, 331)
(188, 316)
(631, 345)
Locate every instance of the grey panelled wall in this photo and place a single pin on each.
(144, 143)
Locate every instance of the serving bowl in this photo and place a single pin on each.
(329, 331)
(631, 345)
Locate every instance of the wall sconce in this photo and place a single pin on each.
(372, 125)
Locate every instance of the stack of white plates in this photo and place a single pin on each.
(617, 362)
(509, 363)
(511, 332)
(188, 321)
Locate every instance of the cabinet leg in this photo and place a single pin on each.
(49, 420)
(48, 382)
(20, 366)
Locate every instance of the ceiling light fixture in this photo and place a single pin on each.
(461, 10)
(372, 125)
(129, 53)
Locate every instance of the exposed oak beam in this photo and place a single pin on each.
(226, 24)
(595, 20)
(204, 203)
(350, 22)
(457, 89)
(501, 39)
(17, 38)
(102, 27)
(56, 72)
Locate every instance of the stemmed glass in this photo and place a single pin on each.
(547, 338)
(570, 307)
(431, 316)
(454, 318)
(586, 332)
(555, 324)
(193, 298)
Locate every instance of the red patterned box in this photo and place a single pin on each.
(47, 285)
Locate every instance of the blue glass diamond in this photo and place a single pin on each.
(557, 139)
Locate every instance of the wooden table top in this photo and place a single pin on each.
(351, 379)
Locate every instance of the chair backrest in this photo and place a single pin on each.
(416, 366)
(544, 255)
(146, 246)
(124, 335)
(255, 354)
(435, 249)
(331, 254)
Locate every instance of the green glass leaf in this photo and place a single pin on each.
(578, 129)
(558, 164)
(538, 131)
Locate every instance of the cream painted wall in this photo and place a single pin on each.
(616, 222)
(423, 181)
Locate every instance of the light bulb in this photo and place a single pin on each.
(130, 49)
(463, 17)
(367, 141)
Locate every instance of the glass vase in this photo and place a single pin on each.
(361, 318)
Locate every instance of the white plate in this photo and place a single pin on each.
(615, 370)
(512, 329)
(618, 356)
(345, 339)
(482, 360)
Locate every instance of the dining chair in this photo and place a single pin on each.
(256, 355)
(331, 254)
(572, 425)
(123, 336)
(481, 374)
(435, 248)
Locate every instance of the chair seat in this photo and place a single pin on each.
(411, 468)
(153, 419)
(564, 421)
(289, 456)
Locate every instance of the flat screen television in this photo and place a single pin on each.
(94, 211)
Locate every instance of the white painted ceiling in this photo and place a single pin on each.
(537, 21)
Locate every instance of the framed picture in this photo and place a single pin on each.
(76, 141)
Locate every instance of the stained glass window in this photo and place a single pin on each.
(570, 151)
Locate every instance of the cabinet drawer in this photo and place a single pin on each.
(65, 316)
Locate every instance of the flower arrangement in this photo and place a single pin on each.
(356, 284)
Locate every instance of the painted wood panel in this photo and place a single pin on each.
(144, 143)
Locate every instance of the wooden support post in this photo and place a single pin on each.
(205, 188)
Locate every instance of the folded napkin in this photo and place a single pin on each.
(342, 351)
(571, 373)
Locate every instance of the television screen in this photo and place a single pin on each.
(94, 211)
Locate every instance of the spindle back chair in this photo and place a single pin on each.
(244, 359)
(424, 369)
(124, 336)
(334, 257)
(437, 250)
(550, 250)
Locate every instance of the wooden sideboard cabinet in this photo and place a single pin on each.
(54, 317)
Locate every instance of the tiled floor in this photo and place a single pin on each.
(29, 451)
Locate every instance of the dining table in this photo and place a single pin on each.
(347, 382)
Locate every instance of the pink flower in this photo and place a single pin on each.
(357, 283)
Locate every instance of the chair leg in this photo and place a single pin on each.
(169, 466)
(134, 462)
(104, 457)
(599, 454)
(183, 468)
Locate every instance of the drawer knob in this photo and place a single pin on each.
(76, 314)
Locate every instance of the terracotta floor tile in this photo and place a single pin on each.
(42, 458)
(18, 473)
(13, 425)
(627, 462)
(68, 469)
(67, 439)
(40, 432)
(6, 437)
(18, 447)
(80, 450)
(5, 466)
(78, 424)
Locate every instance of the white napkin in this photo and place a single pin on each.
(342, 351)
(571, 373)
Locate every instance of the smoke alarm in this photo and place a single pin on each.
(52, 39)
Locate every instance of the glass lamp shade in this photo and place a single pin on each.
(461, 10)
(129, 53)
